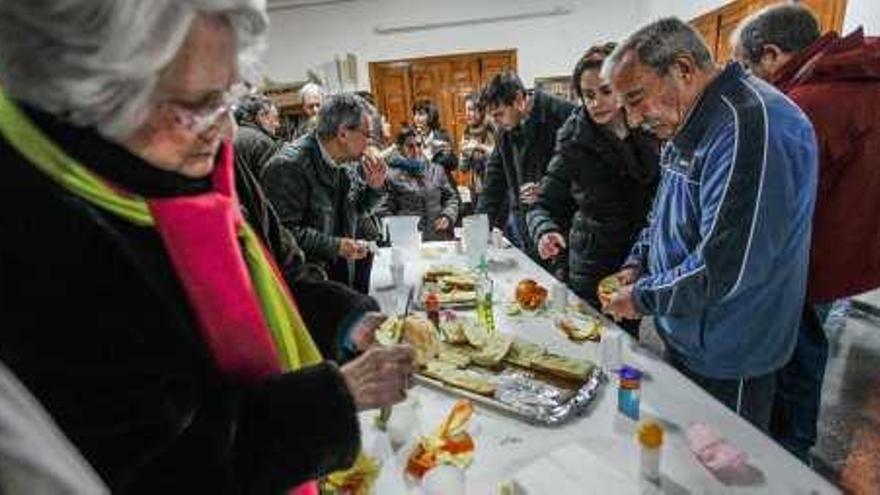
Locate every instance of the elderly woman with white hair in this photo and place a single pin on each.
(137, 304)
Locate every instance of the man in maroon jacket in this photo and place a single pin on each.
(836, 81)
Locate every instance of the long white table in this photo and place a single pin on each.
(506, 446)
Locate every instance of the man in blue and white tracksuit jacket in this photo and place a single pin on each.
(723, 261)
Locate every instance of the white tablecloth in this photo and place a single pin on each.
(602, 441)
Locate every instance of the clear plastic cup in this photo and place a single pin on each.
(475, 230)
(612, 349)
(444, 479)
(559, 297)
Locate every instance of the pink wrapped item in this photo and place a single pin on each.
(715, 452)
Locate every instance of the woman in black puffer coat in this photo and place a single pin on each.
(599, 185)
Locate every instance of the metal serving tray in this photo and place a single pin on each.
(514, 393)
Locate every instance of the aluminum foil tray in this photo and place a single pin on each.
(530, 396)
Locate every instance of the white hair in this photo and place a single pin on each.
(96, 62)
(311, 89)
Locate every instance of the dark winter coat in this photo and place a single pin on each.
(319, 202)
(96, 324)
(329, 324)
(600, 187)
(521, 155)
(429, 197)
(254, 146)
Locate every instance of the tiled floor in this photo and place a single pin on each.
(848, 449)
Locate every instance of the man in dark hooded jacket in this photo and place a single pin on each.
(836, 81)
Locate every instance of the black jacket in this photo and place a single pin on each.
(601, 188)
(254, 146)
(318, 202)
(96, 324)
(308, 282)
(521, 155)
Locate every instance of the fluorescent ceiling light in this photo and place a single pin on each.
(298, 4)
(428, 25)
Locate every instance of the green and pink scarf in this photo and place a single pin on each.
(246, 315)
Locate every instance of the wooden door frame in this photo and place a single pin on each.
(378, 67)
(511, 52)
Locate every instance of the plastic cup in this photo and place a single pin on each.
(559, 297)
(402, 424)
(612, 346)
(444, 479)
(475, 229)
(403, 232)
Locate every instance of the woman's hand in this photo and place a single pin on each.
(379, 377)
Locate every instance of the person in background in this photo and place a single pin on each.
(599, 185)
(437, 143)
(312, 96)
(420, 188)
(319, 195)
(179, 376)
(527, 123)
(477, 143)
(426, 121)
(722, 265)
(836, 81)
(338, 316)
(255, 139)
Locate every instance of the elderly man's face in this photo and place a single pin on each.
(311, 104)
(652, 101)
(190, 117)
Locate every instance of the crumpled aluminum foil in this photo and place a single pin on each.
(542, 402)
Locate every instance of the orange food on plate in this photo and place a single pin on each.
(449, 444)
(530, 295)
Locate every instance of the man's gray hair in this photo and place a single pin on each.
(658, 44)
(345, 109)
(791, 27)
(95, 63)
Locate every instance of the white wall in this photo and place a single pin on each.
(303, 38)
(686, 9)
(865, 13)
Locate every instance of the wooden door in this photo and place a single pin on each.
(491, 64)
(717, 26)
(729, 18)
(829, 12)
(446, 80)
(393, 94)
(707, 25)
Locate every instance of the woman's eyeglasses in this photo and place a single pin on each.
(199, 117)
